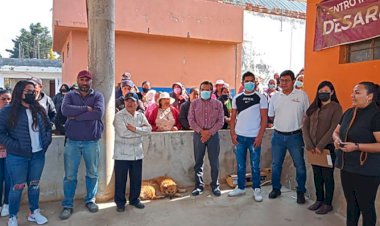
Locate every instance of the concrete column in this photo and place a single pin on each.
(2, 80)
(101, 46)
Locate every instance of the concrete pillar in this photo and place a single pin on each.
(101, 47)
(2, 81)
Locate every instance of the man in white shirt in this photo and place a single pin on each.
(288, 108)
(248, 123)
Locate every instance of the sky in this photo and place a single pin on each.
(18, 14)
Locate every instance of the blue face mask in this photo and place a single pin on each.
(298, 84)
(249, 86)
(205, 95)
(271, 86)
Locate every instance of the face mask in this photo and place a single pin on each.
(224, 97)
(249, 86)
(298, 84)
(324, 96)
(30, 98)
(205, 95)
(63, 91)
(271, 86)
(145, 90)
(177, 90)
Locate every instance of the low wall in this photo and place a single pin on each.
(171, 153)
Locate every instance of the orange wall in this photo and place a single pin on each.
(324, 65)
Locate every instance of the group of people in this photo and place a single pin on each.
(352, 138)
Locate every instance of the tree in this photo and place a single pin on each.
(33, 43)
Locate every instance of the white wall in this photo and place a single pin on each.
(272, 43)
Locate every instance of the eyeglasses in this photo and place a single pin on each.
(285, 80)
(28, 91)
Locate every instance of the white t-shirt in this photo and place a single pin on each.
(248, 116)
(288, 110)
(34, 134)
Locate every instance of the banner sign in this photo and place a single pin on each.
(346, 21)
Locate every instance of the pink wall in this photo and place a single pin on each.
(188, 41)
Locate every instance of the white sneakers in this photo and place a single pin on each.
(236, 192)
(257, 195)
(37, 217)
(12, 221)
(5, 210)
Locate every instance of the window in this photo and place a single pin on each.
(363, 51)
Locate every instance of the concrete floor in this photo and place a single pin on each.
(203, 210)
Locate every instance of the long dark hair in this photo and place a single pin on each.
(374, 89)
(16, 105)
(317, 102)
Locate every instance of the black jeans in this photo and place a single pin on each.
(360, 192)
(213, 149)
(324, 180)
(122, 167)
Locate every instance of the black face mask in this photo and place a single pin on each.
(63, 91)
(145, 90)
(224, 97)
(30, 98)
(324, 96)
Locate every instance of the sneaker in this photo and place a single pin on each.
(37, 217)
(139, 205)
(216, 192)
(257, 195)
(92, 207)
(66, 213)
(274, 193)
(12, 221)
(236, 192)
(315, 206)
(5, 210)
(197, 191)
(300, 197)
(324, 209)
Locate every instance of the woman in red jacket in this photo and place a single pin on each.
(164, 117)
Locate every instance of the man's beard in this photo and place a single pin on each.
(84, 88)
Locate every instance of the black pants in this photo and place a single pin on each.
(213, 149)
(122, 167)
(360, 192)
(324, 180)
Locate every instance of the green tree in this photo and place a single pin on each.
(33, 43)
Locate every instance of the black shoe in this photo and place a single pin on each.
(66, 213)
(216, 192)
(92, 207)
(139, 205)
(274, 193)
(120, 209)
(315, 206)
(300, 197)
(197, 191)
(324, 209)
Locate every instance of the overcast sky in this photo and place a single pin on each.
(18, 14)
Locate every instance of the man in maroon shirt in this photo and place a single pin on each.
(206, 117)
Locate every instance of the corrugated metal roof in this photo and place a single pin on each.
(290, 5)
(29, 62)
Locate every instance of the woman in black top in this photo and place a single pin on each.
(357, 139)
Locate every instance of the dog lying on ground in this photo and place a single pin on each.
(159, 188)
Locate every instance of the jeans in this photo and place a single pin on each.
(73, 152)
(245, 143)
(294, 143)
(4, 182)
(122, 168)
(360, 193)
(213, 149)
(24, 171)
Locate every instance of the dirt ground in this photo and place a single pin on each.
(202, 210)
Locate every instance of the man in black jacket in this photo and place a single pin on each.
(194, 94)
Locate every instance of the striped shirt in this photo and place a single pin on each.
(206, 115)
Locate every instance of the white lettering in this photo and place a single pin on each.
(371, 15)
(346, 21)
(328, 25)
(337, 26)
(358, 19)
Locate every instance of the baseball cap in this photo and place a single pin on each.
(131, 95)
(85, 74)
(126, 76)
(127, 83)
(35, 81)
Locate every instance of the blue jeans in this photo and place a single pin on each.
(24, 171)
(245, 143)
(294, 143)
(73, 152)
(4, 182)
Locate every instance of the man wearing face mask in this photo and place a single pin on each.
(287, 110)
(60, 119)
(84, 109)
(44, 100)
(206, 118)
